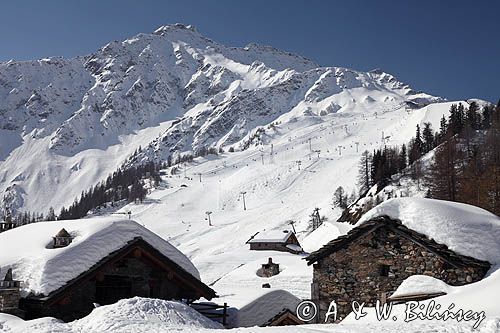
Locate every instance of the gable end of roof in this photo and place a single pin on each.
(441, 250)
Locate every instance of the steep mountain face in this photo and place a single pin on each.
(66, 123)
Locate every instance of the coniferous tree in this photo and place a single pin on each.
(51, 215)
(443, 129)
(442, 177)
(340, 198)
(415, 146)
(486, 117)
(456, 119)
(364, 181)
(460, 117)
(428, 138)
(403, 158)
(472, 116)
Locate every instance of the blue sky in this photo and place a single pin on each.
(447, 48)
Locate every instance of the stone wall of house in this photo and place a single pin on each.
(9, 299)
(269, 269)
(373, 266)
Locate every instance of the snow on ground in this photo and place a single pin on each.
(465, 229)
(139, 315)
(242, 286)
(479, 296)
(63, 177)
(418, 284)
(278, 189)
(129, 315)
(43, 269)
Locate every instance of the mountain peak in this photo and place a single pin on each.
(174, 27)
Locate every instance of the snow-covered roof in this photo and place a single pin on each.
(265, 307)
(465, 229)
(42, 269)
(294, 247)
(272, 236)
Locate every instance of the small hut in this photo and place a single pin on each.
(269, 269)
(275, 240)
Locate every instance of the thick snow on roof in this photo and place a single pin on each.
(43, 269)
(272, 236)
(322, 235)
(465, 229)
(265, 307)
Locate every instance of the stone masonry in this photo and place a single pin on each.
(372, 266)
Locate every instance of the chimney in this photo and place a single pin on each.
(62, 239)
(10, 295)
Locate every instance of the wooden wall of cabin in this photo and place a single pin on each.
(125, 278)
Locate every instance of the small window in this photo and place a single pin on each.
(384, 270)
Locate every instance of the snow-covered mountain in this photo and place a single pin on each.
(67, 123)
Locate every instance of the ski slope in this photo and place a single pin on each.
(277, 189)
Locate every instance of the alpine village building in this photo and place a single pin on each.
(276, 240)
(373, 259)
(137, 268)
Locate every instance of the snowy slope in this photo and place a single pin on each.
(65, 124)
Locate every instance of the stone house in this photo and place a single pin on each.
(373, 259)
(269, 269)
(276, 240)
(84, 271)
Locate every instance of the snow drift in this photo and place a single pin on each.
(128, 315)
